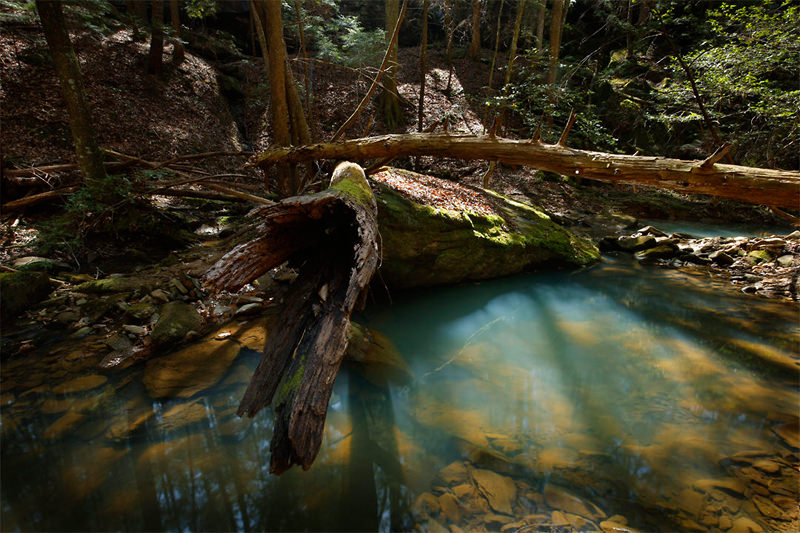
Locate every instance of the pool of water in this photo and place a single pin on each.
(621, 394)
(701, 230)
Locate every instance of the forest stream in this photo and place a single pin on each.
(621, 397)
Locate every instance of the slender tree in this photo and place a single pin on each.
(69, 75)
(423, 68)
(556, 22)
(448, 21)
(156, 56)
(540, 12)
(475, 45)
(178, 53)
(392, 113)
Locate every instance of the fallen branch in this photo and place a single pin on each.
(35, 199)
(779, 188)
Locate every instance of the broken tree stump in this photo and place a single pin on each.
(331, 238)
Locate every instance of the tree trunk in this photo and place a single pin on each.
(390, 100)
(130, 8)
(90, 158)
(178, 53)
(475, 45)
(423, 67)
(448, 22)
(555, 39)
(496, 44)
(155, 58)
(778, 188)
(287, 183)
(331, 237)
(306, 68)
(512, 53)
(540, 26)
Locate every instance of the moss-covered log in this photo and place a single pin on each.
(777, 188)
(331, 238)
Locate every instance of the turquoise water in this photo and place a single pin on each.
(621, 393)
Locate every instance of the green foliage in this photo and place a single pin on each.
(198, 9)
(749, 76)
(17, 12)
(337, 38)
(95, 15)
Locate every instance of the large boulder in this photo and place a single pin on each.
(426, 245)
(177, 319)
(20, 290)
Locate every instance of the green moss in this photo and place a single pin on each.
(111, 285)
(355, 191)
(290, 383)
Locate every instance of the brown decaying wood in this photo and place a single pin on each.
(34, 199)
(779, 188)
(332, 240)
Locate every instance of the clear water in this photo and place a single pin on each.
(653, 394)
(701, 230)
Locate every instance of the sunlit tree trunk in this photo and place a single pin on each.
(540, 26)
(496, 44)
(555, 39)
(178, 53)
(69, 75)
(423, 67)
(392, 114)
(156, 55)
(448, 21)
(475, 46)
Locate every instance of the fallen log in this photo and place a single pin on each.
(777, 188)
(331, 238)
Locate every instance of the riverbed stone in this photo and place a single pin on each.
(112, 285)
(426, 246)
(425, 506)
(790, 433)
(500, 491)
(21, 290)
(64, 425)
(176, 320)
(188, 371)
(455, 473)
(635, 243)
(559, 498)
(39, 264)
(449, 505)
(80, 384)
(758, 256)
(141, 312)
(664, 250)
(182, 415)
(745, 525)
(721, 258)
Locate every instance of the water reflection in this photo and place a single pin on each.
(616, 395)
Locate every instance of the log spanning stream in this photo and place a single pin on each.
(617, 395)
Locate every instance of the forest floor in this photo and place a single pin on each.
(206, 104)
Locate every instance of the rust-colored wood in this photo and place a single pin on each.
(779, 188)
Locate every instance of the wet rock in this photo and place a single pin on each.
(499, 491)
(612, 526)
(695, 259)
(651, 230)
(785, 260)
(21, 290)
(128, 425)
(558, 519)
(794, 236)
(183, 415)
(768, 509)
(160, 295)
(558, 498)
(636, 243)
(133, 329)
(455, 473)
(721, 258)
(732, 486)
(690, 501)
(664, 250)
(80, 384)
(64, 425)
(449, 505)
(745, 525)
(68, 317)
(494, 521)
(188, 371)
(176, 320)
(789, 433)
(39, 264)
(426, 506)
(53, 406)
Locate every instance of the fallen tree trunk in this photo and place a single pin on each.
(778, 188)
(331, 238)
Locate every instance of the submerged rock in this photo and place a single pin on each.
(188, 371)
(499, 491)
(177, 319)
(425, 245)
(80, 384)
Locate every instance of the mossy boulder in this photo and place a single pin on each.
(113, 285)
(175, 321)
(20, 290)
(426, 246)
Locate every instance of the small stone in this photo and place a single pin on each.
(120, 343)
(247, 309)
(499, 491)
(63, 425)
(790, 433)
(666, 250)
(136, 330)
(68, 317)
(745, 525)
(220, 310)
(635, 244)
(39, 264)
(559, 498)
(176, 320)
(613, 526)
(794, 236)
(721, 258)
(755, 257)
(160, 295)
(558, 519)
(454, 473)
(449, 506)
(426, 506)
(650, 230)
(785, 260)
(725, 523)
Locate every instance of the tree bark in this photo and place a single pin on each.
(390, 100)
(496, 44)
(332, 238)
(475, 45)
(178, 53)
(90, 158)
(555, 39)
(423, 67)
(156, 55)
(779, 188)
(540, 26)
